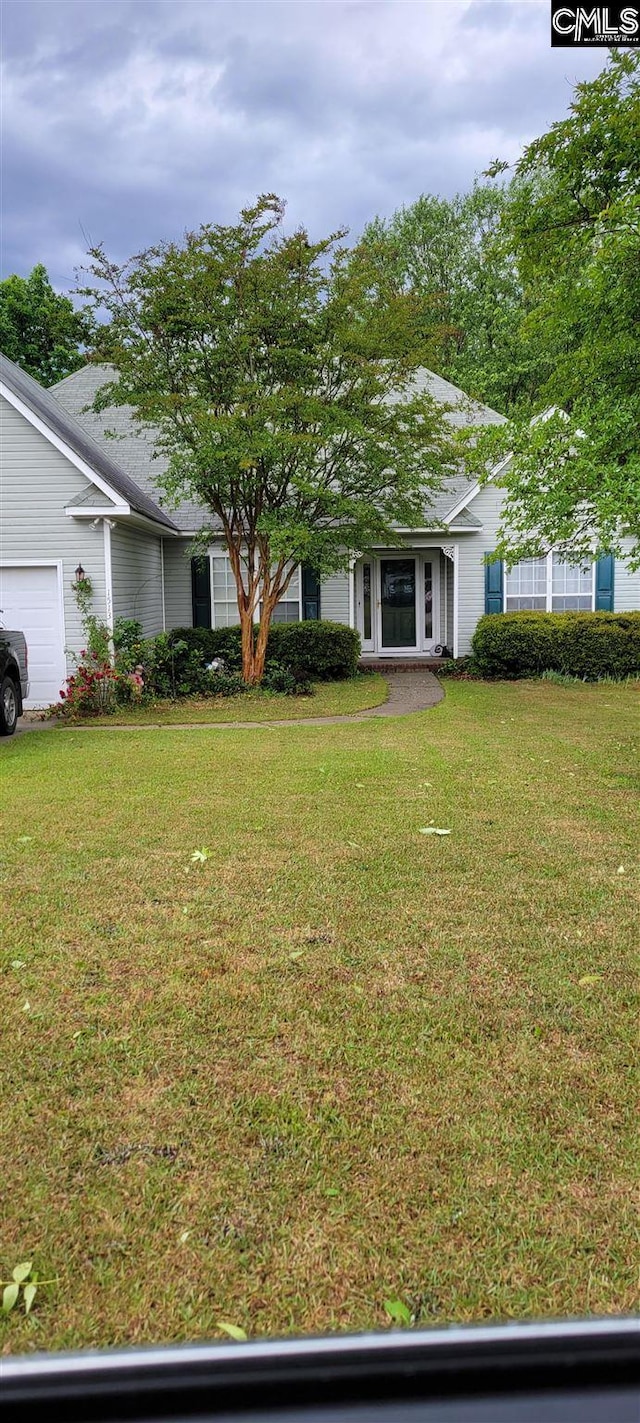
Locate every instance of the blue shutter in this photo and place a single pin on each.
(604, 584)
(494, 587)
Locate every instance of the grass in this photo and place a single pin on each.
(337, 1061)
(329, 699)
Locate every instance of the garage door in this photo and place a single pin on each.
(30, 603)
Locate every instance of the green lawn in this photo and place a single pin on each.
(338, 1061)
(329, 699)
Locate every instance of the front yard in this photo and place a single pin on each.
(354, 694)
(333, 1060)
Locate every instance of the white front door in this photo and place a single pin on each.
(30, 602)
(398, 603)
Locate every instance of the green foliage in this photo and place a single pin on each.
(398, 1312)
(25, 1278)
(573, 226)
(97, 633)
(41, 330)
(266, 363)
(232, 1330)
(585, 645)
(315, 651)
(449, 254)
(127, 634)
(457, 667)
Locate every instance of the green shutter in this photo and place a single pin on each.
(310, 593)
(604, 584)
(494, 587)
(201, 592)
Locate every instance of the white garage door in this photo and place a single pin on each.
(30, 603)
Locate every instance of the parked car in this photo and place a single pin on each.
(14, 679)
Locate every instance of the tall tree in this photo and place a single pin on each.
(40, 329)
(450, 255)
(573, 224)
(278, 376)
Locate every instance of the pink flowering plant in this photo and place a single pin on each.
(95, 688)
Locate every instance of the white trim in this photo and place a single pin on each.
(212, 601)
(108, 574)
(352, 593)
(95, 511)
(548, 557)
(59, 444)
(456, 566)
(58, 564)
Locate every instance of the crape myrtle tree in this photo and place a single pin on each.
(573, 224)
(278, 376)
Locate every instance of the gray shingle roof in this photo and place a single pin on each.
(74, 434)
(133, 445)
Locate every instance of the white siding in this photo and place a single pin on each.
(473, 547)
(626, 586)
(334, 598)
(37, 482)
(136, 564)
(177, 583)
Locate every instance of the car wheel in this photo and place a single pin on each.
(8, 707)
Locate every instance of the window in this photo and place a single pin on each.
(225, 598)
(287, 610)
(526, 587)
(548, 585)
(428, 600)
(572, 587)
(366, 601)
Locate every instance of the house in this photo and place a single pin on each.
(80, 490)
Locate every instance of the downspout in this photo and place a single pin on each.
(108, 575)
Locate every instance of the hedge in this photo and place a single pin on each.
(586, 645)
(315, 651)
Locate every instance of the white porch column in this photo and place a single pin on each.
(451, 552)
(352, 593)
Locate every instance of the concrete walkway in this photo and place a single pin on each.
(408, 692)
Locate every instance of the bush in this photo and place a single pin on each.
(315, 650)
(462, 668)
(308, 651)
(585, 645)
(94, 689)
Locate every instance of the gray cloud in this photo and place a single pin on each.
(132, 120)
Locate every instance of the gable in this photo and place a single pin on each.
(41, 410)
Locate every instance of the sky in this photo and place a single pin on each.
(128, 121)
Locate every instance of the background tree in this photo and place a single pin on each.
(450, 254)
(40, 329)
(573, 225)
(278, 374)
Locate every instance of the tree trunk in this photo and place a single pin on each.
(248, 648)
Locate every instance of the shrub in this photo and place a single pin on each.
(95, 688)
(281, 679)
(458, 667)
(315, 650)
(310, 651)
(585, 645)
(127, 634)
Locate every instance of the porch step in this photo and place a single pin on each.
(390, 664)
